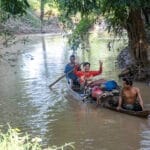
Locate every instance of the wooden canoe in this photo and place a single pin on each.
(80, 97)
(143, 114)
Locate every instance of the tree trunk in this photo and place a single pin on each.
(42, 14)
(138, 43)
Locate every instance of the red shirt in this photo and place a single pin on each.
(85, 75)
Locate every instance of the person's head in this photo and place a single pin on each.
(72, 58)
(127, 82)
(86, 66)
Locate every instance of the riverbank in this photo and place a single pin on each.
(134, 71)
(17, 32)
(25, 25)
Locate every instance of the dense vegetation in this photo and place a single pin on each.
(79, 15)
(120, 16)
(13, 139)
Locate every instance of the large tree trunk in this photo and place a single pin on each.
(138, 43)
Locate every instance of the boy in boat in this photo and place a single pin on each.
(128, 97)
(71, 77)
(86, 75)
(85, 79)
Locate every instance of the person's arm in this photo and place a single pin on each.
(100, 66)
(66, 69)
(78, 67)
(140, 98)
(76, 72)
(95, 73)
(119, 103)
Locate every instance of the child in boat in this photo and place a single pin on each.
(85, 78)
(86, 75)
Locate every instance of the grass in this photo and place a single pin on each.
(13, 139)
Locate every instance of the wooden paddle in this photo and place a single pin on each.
(62, 77)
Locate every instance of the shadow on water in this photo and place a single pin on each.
(27, 102)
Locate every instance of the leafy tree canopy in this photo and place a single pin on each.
(115, 11)
(14, 7)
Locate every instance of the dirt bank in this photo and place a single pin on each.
(23, 25)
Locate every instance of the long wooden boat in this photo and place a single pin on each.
(76, 95)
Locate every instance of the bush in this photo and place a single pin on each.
(13, 139)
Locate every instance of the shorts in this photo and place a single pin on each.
(134, 107)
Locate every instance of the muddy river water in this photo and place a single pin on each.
(26, 101)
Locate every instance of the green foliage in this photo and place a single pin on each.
(116, 12)
(14, 7)
(13, 139)
(72, 7)
(80, 31)
(34, 4)
(84, 25)
(85, 11)
(82, 10)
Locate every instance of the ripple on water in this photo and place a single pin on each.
(145, 142)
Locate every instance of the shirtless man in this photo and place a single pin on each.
(128, 99)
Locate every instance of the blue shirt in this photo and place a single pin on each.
(71, 75)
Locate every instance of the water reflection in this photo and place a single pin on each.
(28, 103)
(145, 134)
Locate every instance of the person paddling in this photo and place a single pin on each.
(71, 77)
(130, 97)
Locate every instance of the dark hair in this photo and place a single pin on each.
(128, 81)
(72, 56)
(86, 63)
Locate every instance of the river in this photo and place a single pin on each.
(27, 103)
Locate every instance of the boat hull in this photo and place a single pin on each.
(77, 96)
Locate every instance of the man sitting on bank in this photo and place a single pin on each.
(130, 97)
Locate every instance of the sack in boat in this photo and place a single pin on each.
(96, 91)
(110, 85)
